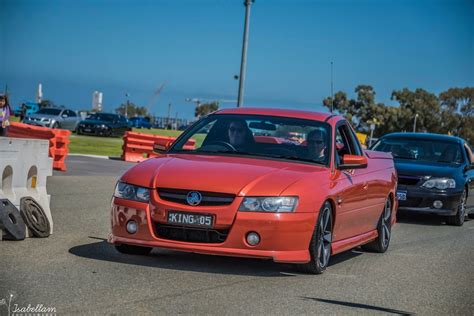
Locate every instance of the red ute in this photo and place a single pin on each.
(249, 189)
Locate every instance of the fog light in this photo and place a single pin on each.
(438, 204)
(253, 239)
(132, 227)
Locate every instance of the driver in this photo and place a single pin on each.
(316, 145)
(239, 135)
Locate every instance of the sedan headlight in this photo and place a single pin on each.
(440, 183)
(132, 192)
(276, 204)
(45, 119)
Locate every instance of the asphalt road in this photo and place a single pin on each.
(427, 270)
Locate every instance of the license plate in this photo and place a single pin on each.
(402, 195)
(87, 130)
(190, 219)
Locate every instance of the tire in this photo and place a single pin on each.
(55, 125)
(320, 244)
(458, 219)
(133, 250)
(384, 229)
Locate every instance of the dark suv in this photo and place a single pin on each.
(435, 173)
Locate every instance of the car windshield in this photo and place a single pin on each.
(426, 150)
(266, 137)
(49, 111)
(102, 117)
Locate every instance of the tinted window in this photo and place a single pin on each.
(259, 136)
(103, 117)
(421, 149)
(49, 111)
(71, 113)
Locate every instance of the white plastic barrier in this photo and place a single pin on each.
(24, 168)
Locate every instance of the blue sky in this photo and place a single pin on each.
(194, 47)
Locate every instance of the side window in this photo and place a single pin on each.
(71, 113)
(345, 144)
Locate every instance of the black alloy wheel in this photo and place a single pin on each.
(384, 229)
(320, 244)
(458, 219)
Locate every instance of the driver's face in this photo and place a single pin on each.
(236, 134)
(316, 144)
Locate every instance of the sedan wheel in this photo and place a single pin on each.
(384, 229)
(458, 219)
(320, 245)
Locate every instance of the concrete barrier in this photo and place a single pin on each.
(24, 168)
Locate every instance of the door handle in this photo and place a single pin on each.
(339, 200)
(366, 186)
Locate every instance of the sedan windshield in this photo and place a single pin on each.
(49, 111)
(258, 136)
(102, 117)
(427, 150)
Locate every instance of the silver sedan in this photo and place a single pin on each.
(54, 118)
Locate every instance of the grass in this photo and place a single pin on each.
(112, 146)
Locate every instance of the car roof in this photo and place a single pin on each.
(315, 116)
(430, 136)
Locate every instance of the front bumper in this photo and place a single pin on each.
(421, 200)
(284, 237)
(38, 123)
(93, 131)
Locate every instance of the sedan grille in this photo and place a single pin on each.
(208, 198)
(191, 234)
(408, 180)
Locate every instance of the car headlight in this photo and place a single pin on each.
(439, 183)
(276, 204)
(132, 192)
(104, 126)
(82, 125)
(45, 119)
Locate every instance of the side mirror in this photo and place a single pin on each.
(161, 146)
(353, 162)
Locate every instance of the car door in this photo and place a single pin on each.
(351, 200)
(470, 176)
(72, 120)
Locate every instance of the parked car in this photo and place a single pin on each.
(435, 174)
(103, 124)
(53, 118)
(139, 122)
(235, 195)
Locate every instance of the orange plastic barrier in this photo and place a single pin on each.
(58, 140)
(138, 147)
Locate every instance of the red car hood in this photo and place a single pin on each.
(235, 175)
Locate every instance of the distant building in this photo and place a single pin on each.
(97, 101)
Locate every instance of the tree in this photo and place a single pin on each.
(420, 102)
(206, 108)
(132, 110)
(457, 106)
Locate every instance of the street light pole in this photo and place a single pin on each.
(332, 91)
(414, 123)
(243, 64)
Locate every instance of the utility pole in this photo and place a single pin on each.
(127, 95)
(332, 91)
(243, 64)
(169, 115)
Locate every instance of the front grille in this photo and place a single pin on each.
(411, 202)
(208, 198)
(408, 180)
(191, 234)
